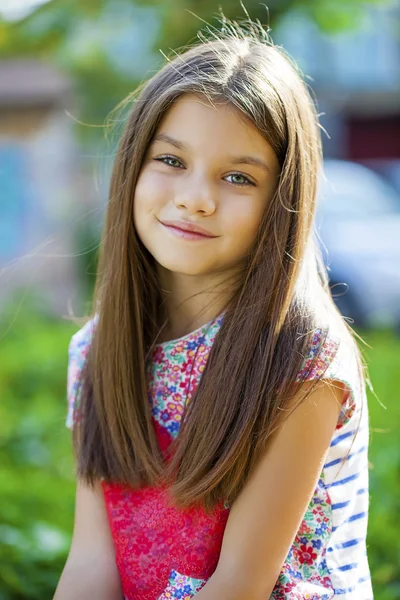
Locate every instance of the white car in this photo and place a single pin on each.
(358, 223)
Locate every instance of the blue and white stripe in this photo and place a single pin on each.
(345, 477)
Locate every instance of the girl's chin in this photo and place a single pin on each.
(184, 267)
(186, 270)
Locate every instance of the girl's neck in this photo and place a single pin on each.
(190, 302)
(183, 325)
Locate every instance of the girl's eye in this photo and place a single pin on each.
(238, 179)
(175, 163)
(171, 161)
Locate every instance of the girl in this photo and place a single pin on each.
(216, 395)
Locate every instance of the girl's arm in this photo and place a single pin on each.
(266, 516)
(90, 571)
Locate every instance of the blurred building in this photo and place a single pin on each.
(40, 183)
(356, 77)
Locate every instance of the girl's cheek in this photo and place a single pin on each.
(243, 213)
(151, 188)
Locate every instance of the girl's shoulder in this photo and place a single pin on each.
(334, 355)
(81, 340)
(77, 351)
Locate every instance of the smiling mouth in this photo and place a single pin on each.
(187, 226)
(184, 234)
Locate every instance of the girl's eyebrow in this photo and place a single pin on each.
(235, 160)
(163, 137)
(250, 160)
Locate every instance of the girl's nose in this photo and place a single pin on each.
(196, 196)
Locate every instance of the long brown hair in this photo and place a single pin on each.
(269, 321)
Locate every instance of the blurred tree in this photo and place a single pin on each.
(108, 46)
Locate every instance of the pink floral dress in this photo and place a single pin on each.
(165, 553)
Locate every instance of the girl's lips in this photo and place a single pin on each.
(187, 235)
(188, 226)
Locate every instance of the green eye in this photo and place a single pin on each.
(171, 161)
(238, 179)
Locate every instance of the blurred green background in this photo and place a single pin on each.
(37, 484)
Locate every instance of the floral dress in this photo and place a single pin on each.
(164, 553)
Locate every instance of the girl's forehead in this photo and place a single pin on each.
(203, 107)
(195, 121)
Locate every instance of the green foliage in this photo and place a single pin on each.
(36, 464)
(384, 528)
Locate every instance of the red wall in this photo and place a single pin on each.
(377, 137)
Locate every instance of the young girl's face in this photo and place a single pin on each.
(208, 167)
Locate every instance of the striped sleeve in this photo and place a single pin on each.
(337, 361)
(345, 478)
